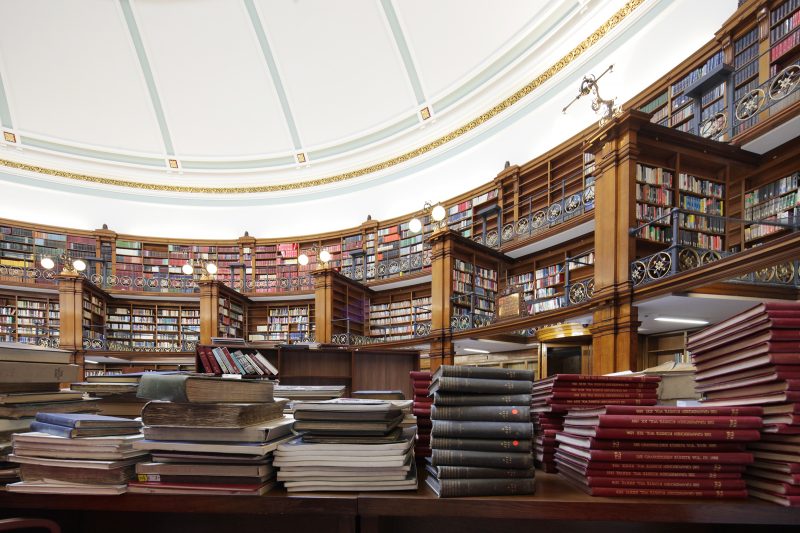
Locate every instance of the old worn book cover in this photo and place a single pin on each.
(184, 388)
(228, 415)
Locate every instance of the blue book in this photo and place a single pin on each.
(86, 420)
(71, 433)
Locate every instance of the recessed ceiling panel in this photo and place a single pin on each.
(71, 74)
(340, 66)
(212, 78)
(450, 39)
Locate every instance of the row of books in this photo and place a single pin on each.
(654, 195)
(772, 207)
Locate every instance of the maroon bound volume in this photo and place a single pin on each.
(765, 309)
(694, 422)
(565, 404)
(767, 374)
(590, 379)
(557, 395)
(703, 435)
(668, 493)
(742, 458)
(661, 483)
(649, 445)
(665, 411)
(584, 465)
(661, 475)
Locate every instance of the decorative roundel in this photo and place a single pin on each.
(405, 264)
(97, 279)
(573, 203)
(306, 280)
(382, 269)
(688, 259)
(508, 231)
(347, 272)
(35, 273)
(112, 280)
(152, 282)
(478, 238)
(713, 126)
(785, 82)
(588, 195)
(454, 321)
(709, 257)
(97, 344)
(164, 283)
(359, 272)
(422, 330)
(492, 239)
(659, 265)
(784, 272)
(577, 293)
(176, 283)
(126, 281)
(522, 226)
(87, 344)
(464, 322)
(190, 283)
(638, 272)
(49, 274)
(139, 282)
(426, 258)
(765, 274)
(590, 288)
(3, 270)
(553, 212)
(416, 261)
(283, 283)
(539, 219)
(16, 272)
(750, 104)
(295, 282)
(371, 271)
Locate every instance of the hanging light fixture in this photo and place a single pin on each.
(211, 268)
(415, 225)
(187, 269)
(324, 256)
(47, 262)
(79, 264)
(438, 213)
(302, 259)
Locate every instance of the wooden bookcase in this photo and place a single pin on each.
(395, 315)
(29, 318)
(147, 326)
(778, 201)
(282, 321)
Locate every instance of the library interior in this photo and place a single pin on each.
(395, 265)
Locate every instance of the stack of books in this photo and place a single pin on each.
(209, 435)
(555, 395)
(657, 451)
(348, 444)
(309, 392)
(420, 381)
(116, 393)
(76, 454)
(481, 434)
(30, 378)
(753, 359)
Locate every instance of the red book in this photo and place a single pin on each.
(625, 466)
(746, 353)
(753, 390)
(772, 486)
(567, 404)
(782, 429)
(754, 376)
(585, 378)
(661, 475)
(421, 392)
(589, 386)
(425, 413)
(731, 370)
(743, 458)
(661, 483)
(420, 374)
(775, 397)
(780, 499)
(663, 410)
(754, 470)
(781, 340)
(658, 439)
(602, 395)
(667, 493)
(701, 435)
(423, 402)
(765, 309)
(777, 466)
(424, 424)
(671, 422)
(206, 359)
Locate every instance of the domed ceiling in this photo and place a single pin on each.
(203, 118)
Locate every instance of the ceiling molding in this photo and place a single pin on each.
(442, 140)
(402, 47)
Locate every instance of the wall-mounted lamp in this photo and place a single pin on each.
(187, 269)
(47, 263)
(323, 256)
(436, 212)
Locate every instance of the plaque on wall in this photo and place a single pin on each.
(511, 304)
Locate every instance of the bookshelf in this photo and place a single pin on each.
(655, 196)
(151, 327)
(784, 36)
(745, 74)
(474, 292)
(23, 248)
(400, 315)
(93, 317)
(777, 201)
(231, 316)
(29, 319)
(348, 305)
(283, 322)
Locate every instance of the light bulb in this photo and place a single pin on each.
(325, 256)
(79, 264)
(188, 269)
(211, 268)
(302, 259)
(414, 225)
(47, 263)
(438, 213)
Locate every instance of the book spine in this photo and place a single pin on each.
(567, 404)
(207, 366)
(484, 399)
(473, 472)
(625, 466)
(481, 445)
(52, 429)
(704, 435)
(234, 364)
(684, 422)
(418, 411)
(664, 475)
(680, 484)
(485, 487)
(489, 413)
(244, 364)
(215, 368)
(607, 379)
(222, 361)
(170, 388)
(485, 430)
(478, 385)
(502, 374)
(56, 419)
(689, 411)
(578, 386)
(558, 395)
(485, 459)
(665, 493)
(666, 446)
(671, 457)
(265, 364)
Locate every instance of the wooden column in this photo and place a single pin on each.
(441, 282)
(442, 353)
(209, 309)
(615, 322)
(323, 304)
(70, 302)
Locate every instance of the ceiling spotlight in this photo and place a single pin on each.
(438, 213)
(682, 320)
(188, 269)
(79, 264)
(47, 263)
(211, 268)
(476, 350)
(325, 256)
(302, 259)
(415, 225)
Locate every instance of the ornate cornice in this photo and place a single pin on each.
(507, 103)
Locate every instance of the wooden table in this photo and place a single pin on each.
(556, 506)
